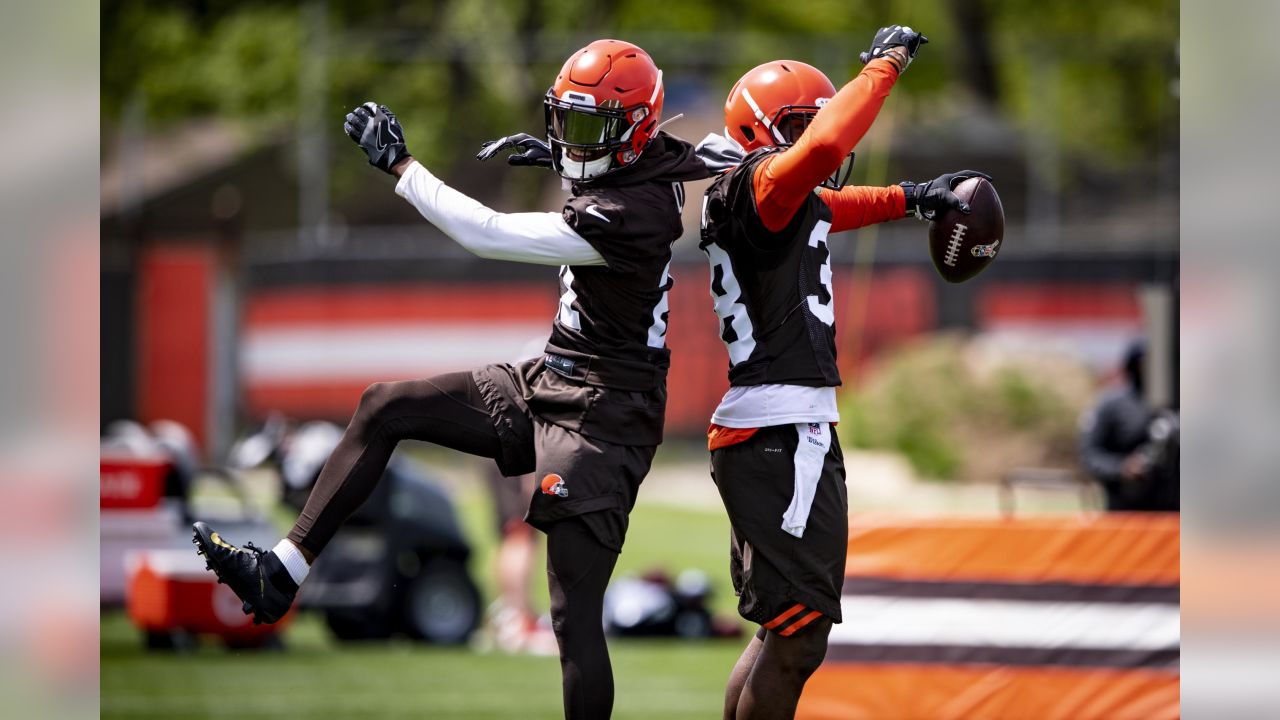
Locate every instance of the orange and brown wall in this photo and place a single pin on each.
(309, 348)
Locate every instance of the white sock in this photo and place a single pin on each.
(293, 560)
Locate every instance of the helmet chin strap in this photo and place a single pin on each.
(583, 170)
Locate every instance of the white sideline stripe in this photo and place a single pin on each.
(1006, 623)
(301, 354)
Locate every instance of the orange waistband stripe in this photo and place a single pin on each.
(783, 616)
(813, 615)
(718, 436)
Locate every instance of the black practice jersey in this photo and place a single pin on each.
(614, 317)
(772, 290)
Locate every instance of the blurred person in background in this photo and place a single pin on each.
(587, 416)
(774, 457)
(512, 622)
(1129, 447)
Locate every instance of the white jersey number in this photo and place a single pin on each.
(823, 311)
(568, 316)
(735, 324)
(658, 330)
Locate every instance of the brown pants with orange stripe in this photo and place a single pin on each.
(784, 583)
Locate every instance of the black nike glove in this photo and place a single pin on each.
(532, 150)
(375, 129)
(891, 37)
(926, 200)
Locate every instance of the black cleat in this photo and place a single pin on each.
(256, 576)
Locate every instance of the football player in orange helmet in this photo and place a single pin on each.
(603, 109)
(587, 415)
(601, 113)
(783, 162)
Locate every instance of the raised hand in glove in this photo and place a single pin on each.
(532, 150)
(895, 43)
(926, 200)
(375, 129)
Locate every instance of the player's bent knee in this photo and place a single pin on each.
(375, 397)
(374, 404)
(373, 413)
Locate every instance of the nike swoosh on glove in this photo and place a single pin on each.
(377, 131)
(532, 151)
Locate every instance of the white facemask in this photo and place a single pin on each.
(583, 170)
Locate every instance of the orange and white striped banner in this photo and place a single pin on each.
(1009, 618)
(310, 352)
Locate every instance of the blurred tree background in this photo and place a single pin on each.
(958, 409)
(223, 118)
(1096, 76)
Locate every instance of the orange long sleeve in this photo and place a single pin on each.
(783, 181)
(859, 205)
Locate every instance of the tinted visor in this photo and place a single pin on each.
(586, 132)
(579, 128)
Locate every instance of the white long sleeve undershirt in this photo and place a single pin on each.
(539, 238)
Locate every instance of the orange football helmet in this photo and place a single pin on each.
(603, 109)
(773, 103)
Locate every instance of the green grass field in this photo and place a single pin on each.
(315, 677)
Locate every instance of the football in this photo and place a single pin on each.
(961, 245)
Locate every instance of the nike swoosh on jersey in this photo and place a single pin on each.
(594, 210)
